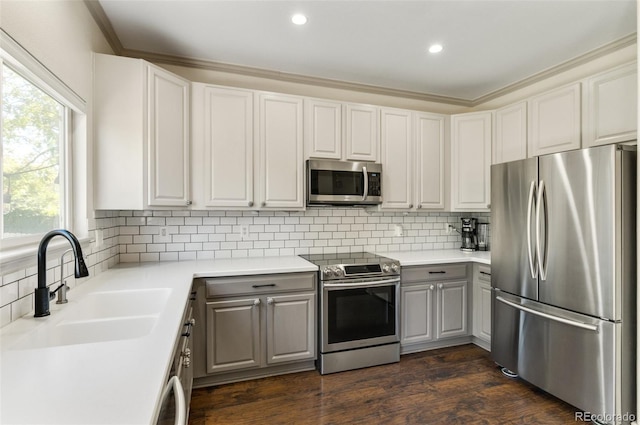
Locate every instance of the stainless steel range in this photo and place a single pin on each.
(358, 311)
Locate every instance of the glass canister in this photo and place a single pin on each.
(483, 236)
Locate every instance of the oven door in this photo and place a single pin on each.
(359, 313)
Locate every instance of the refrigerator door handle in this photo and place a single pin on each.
(542, 259)
(581, 325)
(532, 266)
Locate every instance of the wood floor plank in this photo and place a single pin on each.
(455, 385)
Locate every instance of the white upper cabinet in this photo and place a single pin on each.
(361, 132)
(611, 106)
(322, 129)
(141, 135)
(471, 161)
(554, 121)
(396, 158)
(281, 160)
(510, 142)
(223, 147)
(429, 136)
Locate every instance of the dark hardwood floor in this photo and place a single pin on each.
(457, 385)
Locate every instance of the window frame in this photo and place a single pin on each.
(28, 67)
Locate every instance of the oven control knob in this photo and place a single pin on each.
(395, 268)
(386, 268)
(337, 271)
(327, 272)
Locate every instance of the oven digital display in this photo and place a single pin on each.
(366, 268)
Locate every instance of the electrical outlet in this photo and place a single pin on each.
(244, 232)
(163, 232)
(399, 230)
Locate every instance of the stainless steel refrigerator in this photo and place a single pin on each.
(563, 274)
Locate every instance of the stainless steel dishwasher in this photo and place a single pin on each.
(177, 392)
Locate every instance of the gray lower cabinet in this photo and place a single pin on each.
(256, 326)
(434, 306)
(482, 305)
(233, 340)
(452, 309)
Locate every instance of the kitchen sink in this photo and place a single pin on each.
(101, 317)
(112, 304)
(88, 332)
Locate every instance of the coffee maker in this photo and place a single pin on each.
(468, 234)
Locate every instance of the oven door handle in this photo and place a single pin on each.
(361, 284)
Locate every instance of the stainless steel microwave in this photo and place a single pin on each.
(331, 182)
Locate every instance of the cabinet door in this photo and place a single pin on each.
(281, 152)
(361, 132)
(451, 309)
(510, 143)
(482, 311)
(233, 335)
(471, 161)
(417, 313)
(611, 107)
(291, 324)
(554, 121)
(226, 133)
(168, 149)
(322, 129)
(429, 137)
(396, 159)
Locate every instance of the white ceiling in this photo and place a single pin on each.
(488, 44)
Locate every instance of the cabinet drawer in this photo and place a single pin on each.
(432, 273)
(484, 273)
(259, 284)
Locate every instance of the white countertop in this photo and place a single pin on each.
(112, 382)
(121, 381)
(441, 256)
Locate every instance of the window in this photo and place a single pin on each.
(33, 141)
(41, 122)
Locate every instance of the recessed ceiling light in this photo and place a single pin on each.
(299, 19)
(435, 48)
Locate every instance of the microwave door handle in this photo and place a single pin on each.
(366, 183)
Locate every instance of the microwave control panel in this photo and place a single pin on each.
(374, 184)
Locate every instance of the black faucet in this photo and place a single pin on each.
(42, 292)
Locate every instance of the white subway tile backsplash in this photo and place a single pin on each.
(134, 236)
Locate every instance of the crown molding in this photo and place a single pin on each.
(101, 18)
(601, 51)
(105, 26)
(290, 77)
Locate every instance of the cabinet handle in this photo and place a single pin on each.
(250, 203)
(439, 272)
(256, 302)
(440, 286)
(431, 287)
(485, 273)
(419, 206)
(410, 205)
(264, 285)
(269, 300)
(264, 204)
(189, 203)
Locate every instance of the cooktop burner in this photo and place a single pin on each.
(353, 265)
